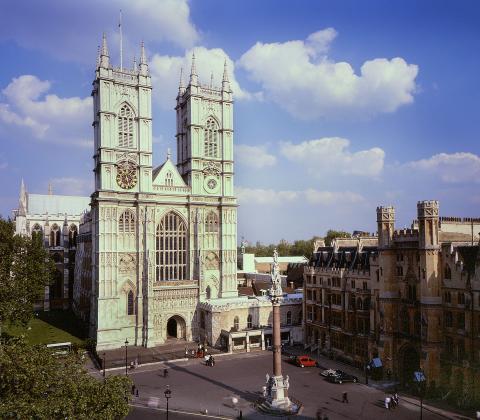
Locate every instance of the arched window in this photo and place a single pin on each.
(208, 292)
(211, 138)
(57, 258)
(448, 272)
(249, 321)
(125, 126)
(289, 318)
(211, 223)
(359, 304)
(126, 223)
(130, 303)
(55, 236)
(202, 319)
(171, 248)
(37, 232)
(72, 236)
(169, 179)
(236, 324)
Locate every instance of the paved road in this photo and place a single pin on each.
(196, 387)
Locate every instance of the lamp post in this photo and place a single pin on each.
(104, 365)
(168, 395)
(126, 356)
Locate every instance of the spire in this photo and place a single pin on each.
(143, 61)
(193, 72)
(181, 86)
(22, 202)
(135, 67)
(104, 57)
(50, 190)
(98, 56)
(169, 154)
(225, 80)
(121, 40)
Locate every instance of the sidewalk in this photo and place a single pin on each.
(326, 363)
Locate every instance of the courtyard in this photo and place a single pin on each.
(197, 388)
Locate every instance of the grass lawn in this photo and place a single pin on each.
(51, 327)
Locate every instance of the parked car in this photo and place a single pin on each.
(305, 361)
(327, 372)
(339, 377)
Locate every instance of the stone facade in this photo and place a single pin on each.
(412, 298)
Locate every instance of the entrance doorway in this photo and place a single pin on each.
(410, 362)
(176, 328)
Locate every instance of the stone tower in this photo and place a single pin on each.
(205, 162)
(123, 177)
(430, 280)
(389, 288)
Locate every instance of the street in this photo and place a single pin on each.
(199, 389)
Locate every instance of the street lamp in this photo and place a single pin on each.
(104, 365)
(168, 395)
(126, 355)
(421, 380)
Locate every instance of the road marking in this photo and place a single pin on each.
(182, 412)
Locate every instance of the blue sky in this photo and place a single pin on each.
(340, 105)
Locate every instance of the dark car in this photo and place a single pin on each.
(340, 377)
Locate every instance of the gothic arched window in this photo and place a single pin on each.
(448, 272)
(125, 126)
(72, 236)
(249, 321)
(289, 318)
(208, 292)
(211, 223)
(171, 248)
(130, 303)
(169, 179)
(37, 231)
(126, 223)
(55, 235)
(211, 138)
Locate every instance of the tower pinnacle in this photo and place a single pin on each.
(104, 57)
(22, 205)
(181, 86)
(225, 80)
(143, 61)
(193, 72)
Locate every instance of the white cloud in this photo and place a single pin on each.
(278, 198)
(300, 78)
(451, 168)
(254, 156)
(165, 71)
(72, 186)
(331, 155)
(47, 116)
(75, 28)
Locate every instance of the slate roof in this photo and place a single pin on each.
(346, 257)
(57, 204)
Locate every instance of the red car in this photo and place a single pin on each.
(305, 361)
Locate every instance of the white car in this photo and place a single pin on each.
(328, 372)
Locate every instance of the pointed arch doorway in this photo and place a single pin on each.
(176, 328)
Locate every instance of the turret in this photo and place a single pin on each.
(104, 56)
(427, 213)
(385, 225)
(225, 80)
(193, 73)
(143, 61)
(181, 86)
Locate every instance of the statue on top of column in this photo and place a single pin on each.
(276, 289)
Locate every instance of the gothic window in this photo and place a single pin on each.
(211, 223)
(169, 179)
(249, 321)
(55, 236)
(359, 304)
(236, 324)
(72, 236)
(171, 248)
(130, 303)
(211, 138)
(37, 231)
(202, 319)
(289, 318)
(448, 272)
(126, 223)
(208, 292)
(125, 126)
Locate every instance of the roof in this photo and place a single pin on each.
(290, 259)
(57, 204)
(245, 291)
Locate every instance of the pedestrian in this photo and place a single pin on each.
(345, 398)
(165, 373)
(387, 402)
(136, 392)
(133, 389)
(395, 398)
(212, 361)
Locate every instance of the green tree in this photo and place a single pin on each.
(36, 385)
(25, 270)
(331, 234)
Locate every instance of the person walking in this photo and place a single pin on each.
(165, 373)
(345, 398)
(387, 402)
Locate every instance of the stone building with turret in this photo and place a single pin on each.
(409, 297)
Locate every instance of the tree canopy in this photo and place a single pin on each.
(284, 248)
(36, 385)
(25, 270)
(332, 234)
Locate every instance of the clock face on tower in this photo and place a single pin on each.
(126, 175)
(211, 184)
